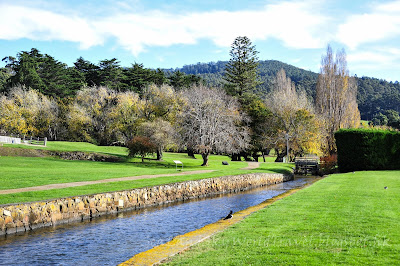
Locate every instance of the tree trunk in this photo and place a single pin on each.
(263, 155)
(255, 156)
(159, 154)
(142, 158)
(246, 156)
(190, 152)
(279, 156)
(205, 159)
(235, 157)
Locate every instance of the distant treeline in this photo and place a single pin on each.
(375, 96)
(51, 77)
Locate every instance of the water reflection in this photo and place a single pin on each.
(110, 240)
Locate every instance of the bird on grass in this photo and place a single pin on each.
(385, 187)
(229, 216)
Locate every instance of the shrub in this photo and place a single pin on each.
(142, 146)
(328, 163)
(368, 149)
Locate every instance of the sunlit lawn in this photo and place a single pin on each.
(75, 146)
(342, 219)
(19, 172)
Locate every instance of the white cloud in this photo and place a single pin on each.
(294, 23)
(372, 57)
(382, 23)
(291, 22)
(379, 59)
(378, 56)
(391, 7)
(35, 24)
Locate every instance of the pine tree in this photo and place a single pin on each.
(241, 70)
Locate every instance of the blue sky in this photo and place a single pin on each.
(170, 34)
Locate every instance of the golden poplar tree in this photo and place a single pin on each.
(336, 96)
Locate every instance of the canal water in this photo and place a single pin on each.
(110, 240)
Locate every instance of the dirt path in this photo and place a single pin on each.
(85, 183)
(251, 166)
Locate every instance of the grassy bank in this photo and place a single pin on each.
(74, 146)
(19, 172)
(347, 218)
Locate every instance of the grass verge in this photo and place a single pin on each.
(20, 172)
(74, 146)
(346, 218)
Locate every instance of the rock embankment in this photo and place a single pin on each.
(29, 216)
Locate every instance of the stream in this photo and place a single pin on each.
(113, 239)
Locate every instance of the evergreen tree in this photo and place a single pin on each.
(138, 77)
(4, 76)
(180, 80)
(111, 75)
(25, 68)
(89, 70)
(43, 73)
(241, 70)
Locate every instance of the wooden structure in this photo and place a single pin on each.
(307, 164)
(35, 141)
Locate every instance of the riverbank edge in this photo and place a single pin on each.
(179, 244)
(15, 218)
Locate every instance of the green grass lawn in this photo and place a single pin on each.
(19, 172)
(342, 219)
(74, 146)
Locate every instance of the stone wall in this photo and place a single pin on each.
(29, 216)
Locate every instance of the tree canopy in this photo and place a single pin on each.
(373, 95)
(336, 97)
(105, 103)
(241, 70)
(33, 69)
(209, 122)
(53, 78)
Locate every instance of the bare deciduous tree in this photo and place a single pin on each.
(88, 114)
(28, 112)
(210, 121)
(125, 116)
(159, 101)
(160, 133)
(101, 115)
(293, 118)
(336, 96)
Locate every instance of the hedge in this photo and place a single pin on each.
(368, 149)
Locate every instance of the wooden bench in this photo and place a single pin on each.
(305, 165)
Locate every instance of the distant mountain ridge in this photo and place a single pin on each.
(267, 70)
(374, 95)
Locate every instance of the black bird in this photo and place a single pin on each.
(229, 216)
(385, 187)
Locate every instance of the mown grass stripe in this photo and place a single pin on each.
(342, 219)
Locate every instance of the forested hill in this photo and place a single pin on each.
(213, 73)
(374, 95)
